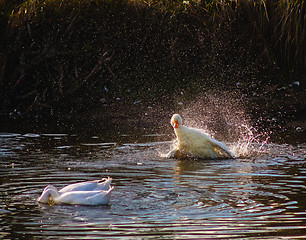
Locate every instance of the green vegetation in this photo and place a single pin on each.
(69, 55)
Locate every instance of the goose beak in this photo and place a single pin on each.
(175, 124)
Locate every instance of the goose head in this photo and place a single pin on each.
(48, 195)
(176, 121)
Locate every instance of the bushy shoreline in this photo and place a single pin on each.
(63, 58)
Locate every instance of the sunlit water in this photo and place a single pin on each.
(260, 196)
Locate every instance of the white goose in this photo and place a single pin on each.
(194, 143)
(84, 193)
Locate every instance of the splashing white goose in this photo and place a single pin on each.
(194, 143)
(84, 193)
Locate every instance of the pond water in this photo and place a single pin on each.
(260, 195)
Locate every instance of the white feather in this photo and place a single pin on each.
(194, 143)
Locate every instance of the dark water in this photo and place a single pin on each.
(259, 196)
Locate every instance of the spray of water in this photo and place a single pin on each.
(223, 117)
(250, 142)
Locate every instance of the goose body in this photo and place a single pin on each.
(86, 193)
(103, 184)
(192, 142)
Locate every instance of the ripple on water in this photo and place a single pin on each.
(259, 196)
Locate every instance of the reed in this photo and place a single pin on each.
(281, 24)
(290, 30)
(63, 54)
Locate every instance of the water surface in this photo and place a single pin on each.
(261, 195)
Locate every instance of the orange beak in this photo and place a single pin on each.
(175, 124)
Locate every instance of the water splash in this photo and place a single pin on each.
(250, 142)
(223, 117)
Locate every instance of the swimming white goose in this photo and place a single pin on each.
(194, 143)
(76, 194)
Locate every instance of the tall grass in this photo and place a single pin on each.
(59, 53)
(290, 30)
(281, 24)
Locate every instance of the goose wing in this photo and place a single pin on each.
(220, 149)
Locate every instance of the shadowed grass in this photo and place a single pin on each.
(70, 55)
(281, 24)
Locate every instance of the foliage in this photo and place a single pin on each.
(281, 24)
(67, 55)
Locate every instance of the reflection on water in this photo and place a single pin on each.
(261, 195)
